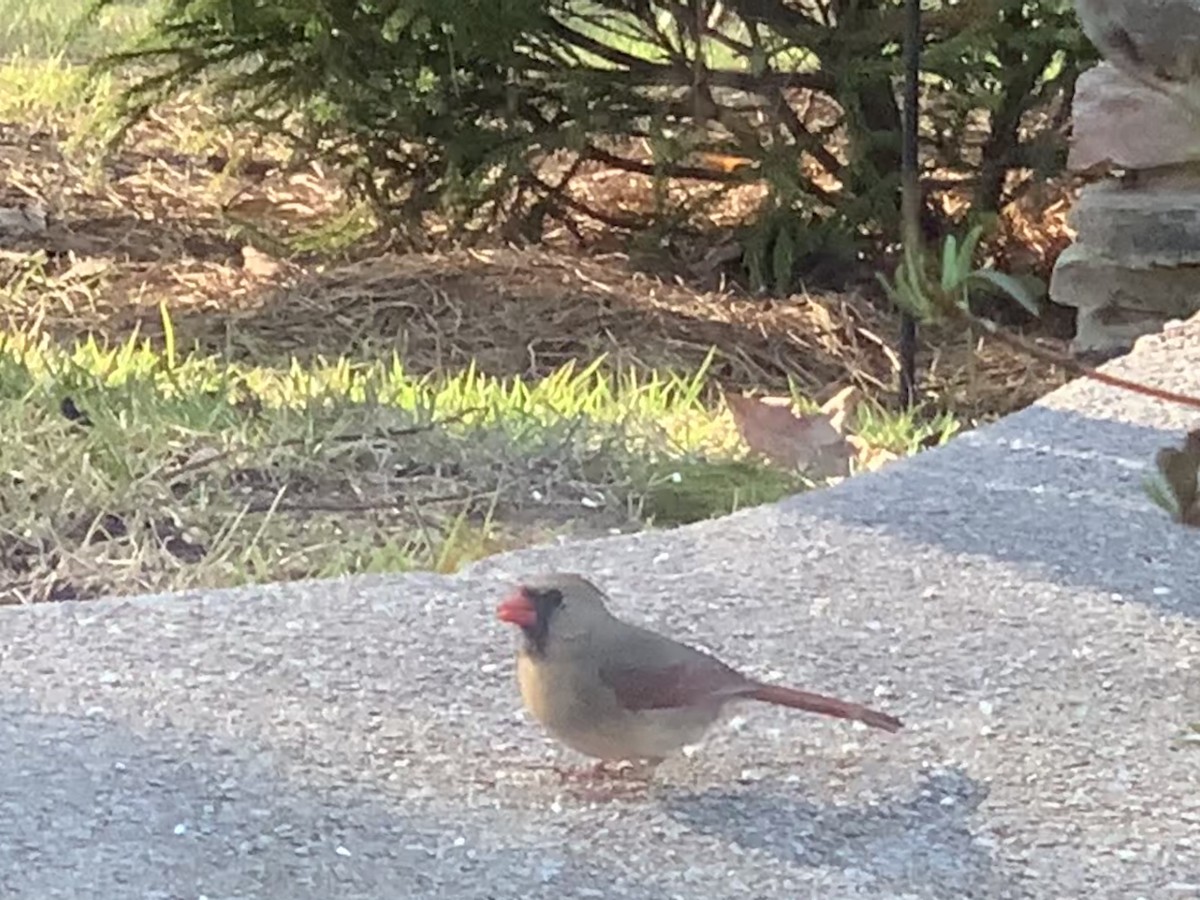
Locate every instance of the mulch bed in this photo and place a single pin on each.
(159, 227)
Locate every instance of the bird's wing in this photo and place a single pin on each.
(674, 685)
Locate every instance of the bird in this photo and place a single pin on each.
(1155, 42)
(620, 693)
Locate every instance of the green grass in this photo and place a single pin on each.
(37, 30)
(44, 49)
(136, 467)
(188, 471)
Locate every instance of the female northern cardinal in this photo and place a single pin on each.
(614, 691)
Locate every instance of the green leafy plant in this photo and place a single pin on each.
(939, 288)
(483, 111)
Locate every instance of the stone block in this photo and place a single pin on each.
(1157, 225)
(1119, 123)
(1087, 278)
(1112, 329)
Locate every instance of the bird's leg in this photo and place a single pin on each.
(640, 771)
(606, 781)
(598, 772)
(604, 770)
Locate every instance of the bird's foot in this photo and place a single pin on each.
(608, 771)
(605, 780)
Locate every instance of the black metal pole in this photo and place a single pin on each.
(910, 191)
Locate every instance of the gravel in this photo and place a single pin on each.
(1013, 596)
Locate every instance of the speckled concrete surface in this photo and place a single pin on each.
(1013, 596)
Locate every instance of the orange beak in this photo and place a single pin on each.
(518, 609)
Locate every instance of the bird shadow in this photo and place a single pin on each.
(921, 844)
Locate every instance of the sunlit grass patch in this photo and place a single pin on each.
(139, 467)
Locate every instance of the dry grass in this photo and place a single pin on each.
(185, 227)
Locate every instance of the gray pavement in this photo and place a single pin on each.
(1012, 596)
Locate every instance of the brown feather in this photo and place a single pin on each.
(668, 687)
(818, 703)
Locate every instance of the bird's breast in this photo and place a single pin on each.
(578, 709)
(534, 686)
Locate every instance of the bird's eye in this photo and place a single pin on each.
(551, 598)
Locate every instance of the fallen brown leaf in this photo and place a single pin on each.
(808, 443)
(85, 269)
(723, 162)
(841, 406)
(870, 458)
(258, 264)
(1181, 471)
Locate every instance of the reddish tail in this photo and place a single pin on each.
(829, 706)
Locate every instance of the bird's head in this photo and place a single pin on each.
(557, 606)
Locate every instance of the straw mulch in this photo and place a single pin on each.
(162, 224)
